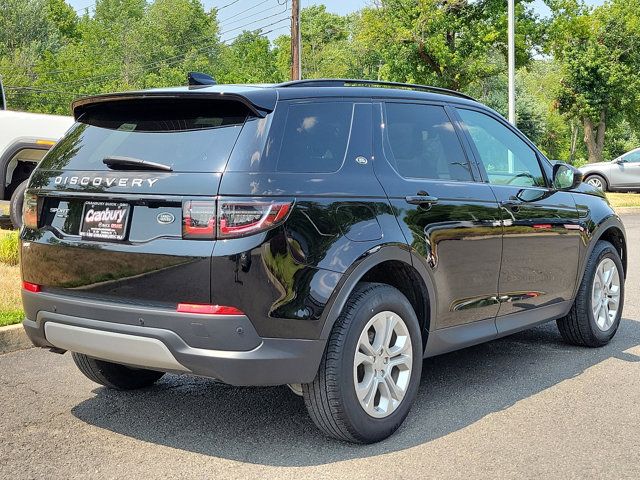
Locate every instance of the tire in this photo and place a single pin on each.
(114, 375)
(331, 398)
(581, 326)
(15, 205)
(597, 181)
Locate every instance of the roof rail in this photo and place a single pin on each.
(344, 82)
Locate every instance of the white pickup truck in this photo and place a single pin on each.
(25, 138)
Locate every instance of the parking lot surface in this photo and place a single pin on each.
(524, 406)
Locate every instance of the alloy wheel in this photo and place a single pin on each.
(595, 182)
(382, 364)
(605, 294)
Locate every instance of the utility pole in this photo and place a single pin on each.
(512, 60)
(296, 54)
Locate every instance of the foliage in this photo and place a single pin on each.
(599, 54)
(9, 248)
(449, 43)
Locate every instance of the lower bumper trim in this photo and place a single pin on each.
(111, 346)
(275, 361)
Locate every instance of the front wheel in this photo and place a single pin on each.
(597, 181)
(369, 374)
(595, 315)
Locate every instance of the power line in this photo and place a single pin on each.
(227, 5)
(168, 60)
(25, 90)
(241, 19)
(88, 7)
(191, 42)
(243, 11)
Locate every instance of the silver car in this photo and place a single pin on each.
(623, 173)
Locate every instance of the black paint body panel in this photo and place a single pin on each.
(484, 270)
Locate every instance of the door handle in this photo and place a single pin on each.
(422, 200)
(511, 204)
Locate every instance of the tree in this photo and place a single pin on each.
(249, 59)
(449, 43)
(599, 52)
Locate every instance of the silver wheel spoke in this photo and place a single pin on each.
(362, 358)
(365, 347)
(389, 329)
(396, 392)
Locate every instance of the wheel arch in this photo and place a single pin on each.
(9, 154)
(611, 230)
(392, 265)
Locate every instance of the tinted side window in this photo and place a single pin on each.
(632, 157)
(506, 158)
(424, 144)
(315, 137)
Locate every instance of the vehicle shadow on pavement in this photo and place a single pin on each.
(270, 426)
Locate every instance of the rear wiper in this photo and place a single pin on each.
(130, 163)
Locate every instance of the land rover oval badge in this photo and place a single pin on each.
(166, 218)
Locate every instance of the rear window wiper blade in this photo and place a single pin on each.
(130, 163)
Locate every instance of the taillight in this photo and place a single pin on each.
(231, 218)
(208, 309)
(31, 287)
(30, 210)
(199, 219)
(241, 218)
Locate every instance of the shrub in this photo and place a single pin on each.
(9, 248)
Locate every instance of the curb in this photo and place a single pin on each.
(13, 338)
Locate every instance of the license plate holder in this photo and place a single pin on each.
(106, 221)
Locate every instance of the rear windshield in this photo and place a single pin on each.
(188, 135)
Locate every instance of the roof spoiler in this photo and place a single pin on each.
(259, 103)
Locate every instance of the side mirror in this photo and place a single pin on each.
(566, 177)
(619, 160)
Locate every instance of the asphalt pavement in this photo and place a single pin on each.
(527, 406)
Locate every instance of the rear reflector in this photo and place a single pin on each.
(208, 309)
(31, 287)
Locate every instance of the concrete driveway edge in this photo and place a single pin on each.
(13, 338)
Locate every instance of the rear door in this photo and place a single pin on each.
(448, 218)
(117, 231)
(541, 225)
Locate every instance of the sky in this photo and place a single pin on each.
(235, 14)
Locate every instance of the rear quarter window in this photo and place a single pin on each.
(315, 137)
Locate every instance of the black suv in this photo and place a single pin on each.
(325, 234)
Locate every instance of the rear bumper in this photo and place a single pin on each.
(144, 337)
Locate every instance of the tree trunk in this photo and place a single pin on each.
(574, 142)
(594, 137)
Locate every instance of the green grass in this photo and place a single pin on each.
(624, 199)
(10, 317)
(10, 301)
(9, 247)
